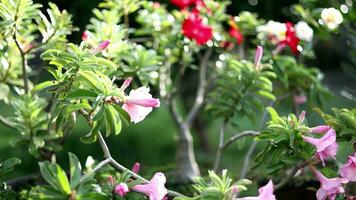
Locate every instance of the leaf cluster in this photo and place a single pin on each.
(238, 90)
(285, 146)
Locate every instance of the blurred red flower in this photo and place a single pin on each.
(291, 38)
(193, 28)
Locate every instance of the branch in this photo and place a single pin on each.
(220, 148)
(118, 166)
(201, 88)
(291, 175)
(24, 64)
(239, 136)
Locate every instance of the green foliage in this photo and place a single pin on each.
(62, 187)
(30, 121)
(133, 59)
(285, 146)
(217, 187)
(238, 90)
(7, 166)
(296, 78)
(343, 121)
(82, 84)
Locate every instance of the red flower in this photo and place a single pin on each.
(291, 38)
(193, 28)
(235, 33)
(182, 4)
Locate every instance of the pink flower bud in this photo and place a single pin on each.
(111, 180)
(149, 102)
(320, 129)
(85, 35)
(136, 167)
(121, 189)
(258, 57)
(126, 83)
(102, 46)
(301, 117)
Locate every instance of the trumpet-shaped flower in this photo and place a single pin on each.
(265, 193)
(193, 28)
(329, 187)
(326, 146)
(320, 129)
(331, 18)
(121, 189)
(139, 104)
(303, 31)
(155, 189)
(291, 39)
(348, 170)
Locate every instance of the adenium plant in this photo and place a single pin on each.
(236, 66)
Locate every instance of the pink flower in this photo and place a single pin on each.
(320, 129)
(329, 188)
(139, 104)
(102, 46)
(348, 170)
(193, 28)
(121, 189)
(299, 99)
(265, 193)
(155, 189)
(85, 35)
(258, 56)
(326, 146)
(136, 167)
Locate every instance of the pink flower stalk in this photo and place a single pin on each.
(320, 129)
(329, 187)
(299, 99)
(136, 167)
(258, 57)
(155, 189)
(326, 146)
(126, 83)
(102, 46)
(85, 35)
(121, 189)
(139, 104)
(301, 117)
(348, 170)
(265, 193)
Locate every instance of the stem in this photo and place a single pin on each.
(254, 144)
(23, 63)
(239, 136)
(118, 166)
(287, 178)
(220, 148)
(201, 88)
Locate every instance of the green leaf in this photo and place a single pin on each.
(55, 176)
(75, 170)
(82, 94)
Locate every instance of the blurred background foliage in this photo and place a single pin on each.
(153, 144)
